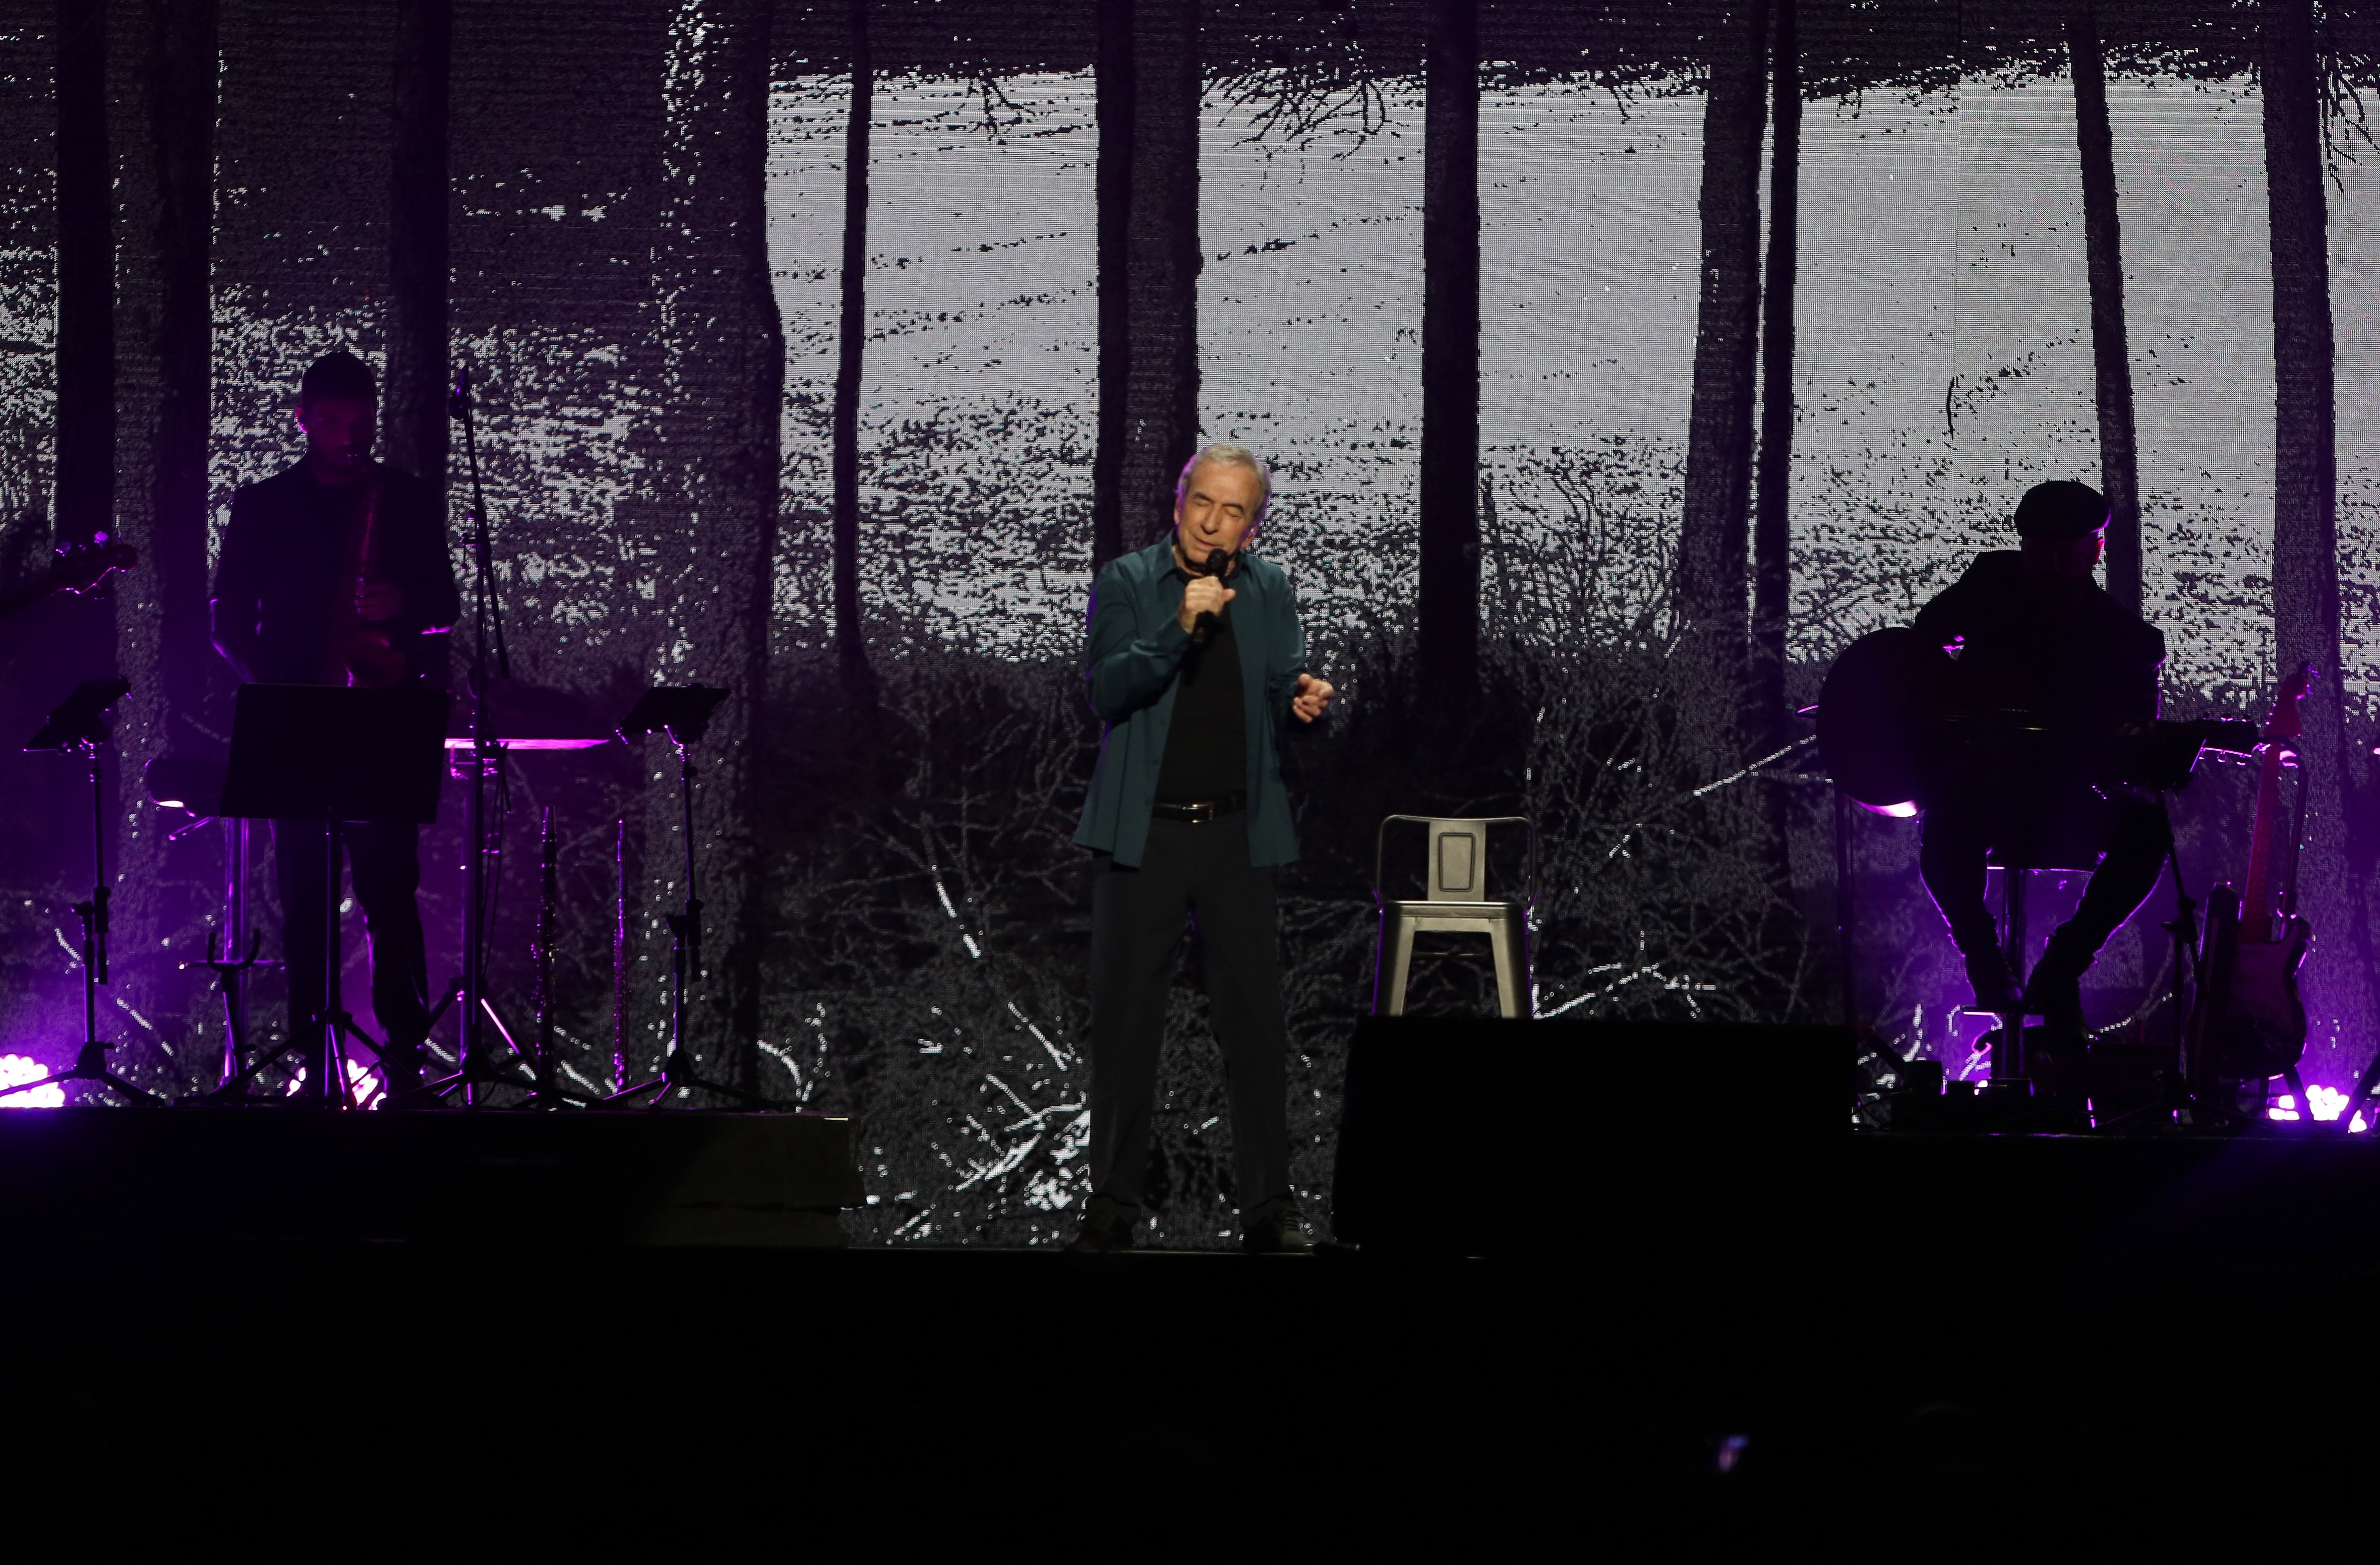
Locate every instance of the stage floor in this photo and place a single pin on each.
(1868, 1327)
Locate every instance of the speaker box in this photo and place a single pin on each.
(1484, 1137)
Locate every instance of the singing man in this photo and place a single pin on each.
(2054, 666)
(1195, 657)
(294, 584)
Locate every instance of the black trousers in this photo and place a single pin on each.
(1960, 831)
(384, 865)
(1136, 921)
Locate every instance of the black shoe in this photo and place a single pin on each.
(1987, 975)
(1278, 1231)
(1107, 1228)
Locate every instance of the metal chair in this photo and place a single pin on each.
(1457, 903)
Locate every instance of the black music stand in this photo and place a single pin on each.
(79, 726)
(682, 713)
(312, 752)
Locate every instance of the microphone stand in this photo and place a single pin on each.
(79, 727)
(473, 1072)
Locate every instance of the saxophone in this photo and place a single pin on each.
(372, 654)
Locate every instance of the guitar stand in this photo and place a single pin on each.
(681, 713)
(228, 975)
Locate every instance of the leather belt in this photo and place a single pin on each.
(1204, 810)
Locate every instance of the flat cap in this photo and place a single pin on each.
(2060, 509)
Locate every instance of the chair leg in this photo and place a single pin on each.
(2012, 890)
(1394, 962)
(1511, 987)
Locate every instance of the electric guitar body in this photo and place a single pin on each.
(2249, 1023)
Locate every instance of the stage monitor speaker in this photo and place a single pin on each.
(1482, 1137)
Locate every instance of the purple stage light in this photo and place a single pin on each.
(2325, 1103)
(364, 1084)
(16, 1068)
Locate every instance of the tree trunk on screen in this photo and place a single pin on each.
(724, 385)
(161, 324)
(85, 484)
(1115, 98)
(2103, 245)
(2305, 554)
(1447, 610)
(182, 131)
(1161, 266)
(413, 414)
(1772, 532)
(850, 633)
(1711, 537)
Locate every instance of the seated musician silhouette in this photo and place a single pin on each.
(2047, 667)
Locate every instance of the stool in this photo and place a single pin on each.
(2017, 868)
(1456, 903)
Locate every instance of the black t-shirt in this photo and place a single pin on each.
(1207, 746)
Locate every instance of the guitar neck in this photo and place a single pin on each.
(2256, 903)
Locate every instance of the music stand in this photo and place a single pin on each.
(682, 713)
(78, 725)
(312, 752)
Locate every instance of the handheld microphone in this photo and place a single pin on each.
(1219, 565)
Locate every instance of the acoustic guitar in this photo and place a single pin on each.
(76, 569)
(1893, 724)
(2249, 1023)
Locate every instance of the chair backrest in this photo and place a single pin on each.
(1458, 861)
(1458, 855)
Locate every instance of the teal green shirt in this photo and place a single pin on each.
(1137, 643)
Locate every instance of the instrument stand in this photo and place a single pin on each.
(196, 787)
(79, 726)
(2180, 1095)
(547, 1092)
(682, 712)
(228, 982)
(474, 1072)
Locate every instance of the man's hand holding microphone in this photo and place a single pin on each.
(1203, 599)
(1204, 595)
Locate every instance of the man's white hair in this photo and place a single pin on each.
(1229, 456)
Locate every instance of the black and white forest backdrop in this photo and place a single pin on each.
(1619, 363)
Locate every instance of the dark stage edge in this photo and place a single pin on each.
(1907, 1332)
(453, 1177)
